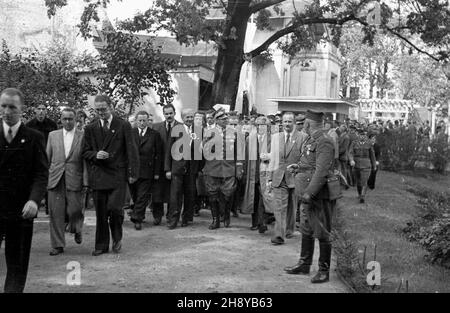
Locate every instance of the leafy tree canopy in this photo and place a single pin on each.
(46, 77)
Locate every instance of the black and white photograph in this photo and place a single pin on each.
(225, 152)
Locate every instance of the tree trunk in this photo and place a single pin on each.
(230, 56)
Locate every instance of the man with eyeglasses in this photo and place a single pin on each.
(112, 154)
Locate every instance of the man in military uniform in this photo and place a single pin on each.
(316, 162)
(362, 159)
(221, 170)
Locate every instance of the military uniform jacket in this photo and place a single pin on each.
(23, 171)
(123, 161)
(316, 163)
(222, 167)
(362, 153)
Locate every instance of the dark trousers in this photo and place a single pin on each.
(181, 198)
(258, 207)
(140, 193)
(17, 234)
(110, 214)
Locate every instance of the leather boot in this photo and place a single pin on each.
(323, 275)
(306, 255)
(216, 216)
(226, 217)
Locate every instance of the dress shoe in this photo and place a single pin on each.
(56, 251)
(289, 236)
(277, 241)
(99, 252)
(138, 226)
(78, 238)
(254, 228)
(297, 269)
(197, 214)
(157, 221)
(262, 229)
(361, 200)
(117, 246)
(184, 223)
(235, 214)
(321, 277)
(172, 226)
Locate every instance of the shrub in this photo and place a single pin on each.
(431, 228)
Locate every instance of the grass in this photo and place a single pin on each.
(378, 222)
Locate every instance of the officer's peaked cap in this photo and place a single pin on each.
(314, 116)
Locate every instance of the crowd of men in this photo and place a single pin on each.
(278, 168)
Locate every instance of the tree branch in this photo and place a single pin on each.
(393, 32)
(291, 28)
(262, 5)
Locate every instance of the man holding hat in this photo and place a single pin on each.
(317, 209)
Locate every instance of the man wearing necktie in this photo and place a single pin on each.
(160, 189)
(150, 161)
(23, 181)
(113, 158)
(181, 168)
(285, 150)
(67, 179)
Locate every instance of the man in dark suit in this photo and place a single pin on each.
(160, 190)
(23, 181)
(150, 161)
(113, 157)
(44, 125)
(181, 168)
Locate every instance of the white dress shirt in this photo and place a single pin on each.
(109, 121)
(14, 129)
(285, 136)
(68, 140)
(142, 132)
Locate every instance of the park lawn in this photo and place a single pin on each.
(379, 222)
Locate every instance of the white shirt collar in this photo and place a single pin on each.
(14, 128)
(144, 131)
(65, 132)
(109, 121)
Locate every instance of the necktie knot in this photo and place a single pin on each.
(9, 135)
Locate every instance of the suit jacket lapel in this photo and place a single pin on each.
(8, 154)
(111, 134)
(143, 139)
(291, 142)
(76, 138)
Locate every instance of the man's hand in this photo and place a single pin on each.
(269, 185)
(30, 210)
(169, 175)
(306, 198)
(85, 189)
(377, 163)
(132, 180)
(352, 163)
(102, 155)
(292, 168)
(156, 177)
